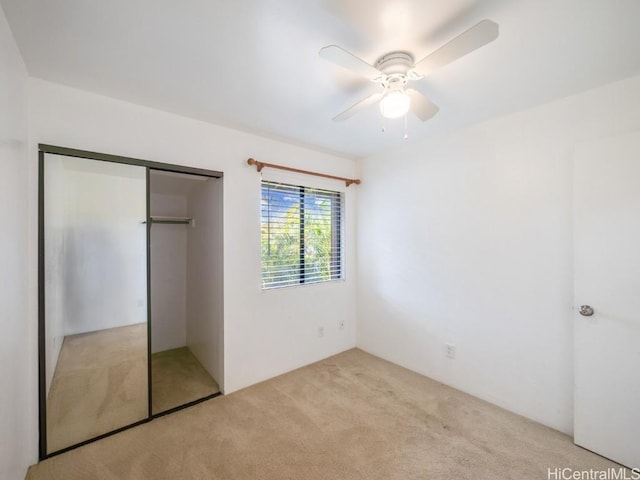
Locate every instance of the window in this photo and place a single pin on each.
(301, 235)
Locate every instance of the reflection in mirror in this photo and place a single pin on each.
(186, 288)
(95, 289)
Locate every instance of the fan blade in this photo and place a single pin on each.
(421, 106)
(340, 56)
(358, 107)
(477, 36)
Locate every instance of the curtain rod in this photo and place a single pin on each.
(261, 165)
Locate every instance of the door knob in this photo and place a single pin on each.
(586, 310)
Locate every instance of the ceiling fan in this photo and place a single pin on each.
(394, 70)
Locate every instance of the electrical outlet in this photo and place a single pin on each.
(341, 324)
(320, 331)
(450, 350)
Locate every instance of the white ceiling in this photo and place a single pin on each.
(254, 64)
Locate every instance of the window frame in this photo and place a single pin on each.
(338, 227)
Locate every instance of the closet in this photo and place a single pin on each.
(130, 290)
(186, 298)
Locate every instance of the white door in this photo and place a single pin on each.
(607, 278)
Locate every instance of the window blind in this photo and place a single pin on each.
(301, 235)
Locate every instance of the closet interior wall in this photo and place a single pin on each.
(168, 273)
(205, 277)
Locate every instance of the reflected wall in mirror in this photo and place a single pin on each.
(186, 288)
(95, 298)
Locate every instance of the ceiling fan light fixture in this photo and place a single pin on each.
(395, 104)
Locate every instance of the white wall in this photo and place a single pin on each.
(168, 274)
(18, 394)
(205, 289)
(265, 334)
(467, 239)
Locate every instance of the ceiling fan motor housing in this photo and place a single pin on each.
(396, 67)
(395, 62)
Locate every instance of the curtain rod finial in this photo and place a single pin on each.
(259, 165)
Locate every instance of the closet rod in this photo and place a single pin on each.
(261, 165)
(172, 221)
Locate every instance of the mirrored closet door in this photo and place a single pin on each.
(95, 298)
(130, 292)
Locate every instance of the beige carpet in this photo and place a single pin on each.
(352, 416)
(99, 385)
(177, 378)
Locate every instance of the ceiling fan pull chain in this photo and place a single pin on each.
(406, 135)
(382, 122)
